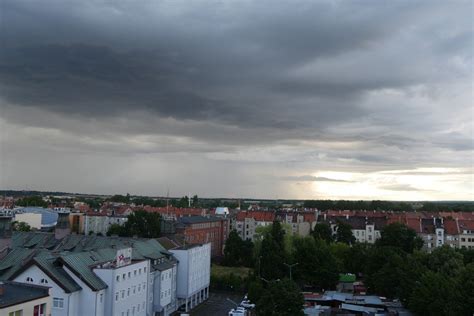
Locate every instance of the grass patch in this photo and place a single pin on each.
(220, 271)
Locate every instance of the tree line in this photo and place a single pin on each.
(436, 283)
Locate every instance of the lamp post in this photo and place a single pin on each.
(291, 267)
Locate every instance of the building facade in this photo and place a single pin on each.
(204, 229)
(194, 274)
(19, 299)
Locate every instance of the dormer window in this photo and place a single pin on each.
(44, 281)
(29, 280)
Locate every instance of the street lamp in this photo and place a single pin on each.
(291, 267)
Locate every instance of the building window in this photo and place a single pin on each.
(133, 310)
(143, 305)
(144, 269)
(134, 272)
(44, 281)
(116, 296)
(129, 274)
(101, 297)
(123, 276)
(117, 278)
(140, 271)
(123, 293)
(29, 280)
(39, 310)
(128, 292)
(58, 302)
(16, 313)
(134, 289)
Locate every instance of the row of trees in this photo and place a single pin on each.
(34, 200)
(394, 267)
(376, 205)
(139, 223)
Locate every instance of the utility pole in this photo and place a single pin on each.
(291, 267)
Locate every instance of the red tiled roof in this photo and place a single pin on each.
(466, 224)
(260, 216)
(451, 227)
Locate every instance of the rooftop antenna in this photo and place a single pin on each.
(189, 200)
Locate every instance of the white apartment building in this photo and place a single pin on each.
(194, 274)
(114, 286)
(100, 223)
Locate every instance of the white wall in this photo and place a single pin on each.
(134, 288)
(194, 269)
(32, 219)
(88, 301)
(56, 291)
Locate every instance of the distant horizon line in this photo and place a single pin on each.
(225, 198)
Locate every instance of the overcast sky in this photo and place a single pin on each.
(264, 99)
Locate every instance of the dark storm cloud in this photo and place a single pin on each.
(362, 86)
(231, 64)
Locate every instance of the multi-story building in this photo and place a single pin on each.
(435, 229)
(301, 223)
(204, 229)
(92, 275)
(247, 222)
(99, 223)
(466, 234)
(194, 274)
(20, 299)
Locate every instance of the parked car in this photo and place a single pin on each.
(247, 304)
(237, 312)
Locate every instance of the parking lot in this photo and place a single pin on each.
(217, 304)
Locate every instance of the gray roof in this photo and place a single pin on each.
(17, 293)
(78, 253)
(199, 219)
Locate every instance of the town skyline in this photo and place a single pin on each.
(320, 100)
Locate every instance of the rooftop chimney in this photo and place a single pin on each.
(62, 228)
(5, 232)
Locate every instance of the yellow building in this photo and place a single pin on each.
(21, 299)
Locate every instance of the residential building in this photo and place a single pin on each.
(20, 299)
(92, 275)
(204, 229)
(466, 234)
(99, 223)
(247, 222)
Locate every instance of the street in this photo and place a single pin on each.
(217, 304)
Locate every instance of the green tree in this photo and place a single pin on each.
(316, 264)
(34, 200)
(195, 200)
(139, 223)
(446, 261)
(466, 286)
(21, 226)
(233, 249)
(322, 231)
(238, 252)
(281, 298)
(344, 233)
(114, 229)
(436, 294)
(400, 236)
(272, 254)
